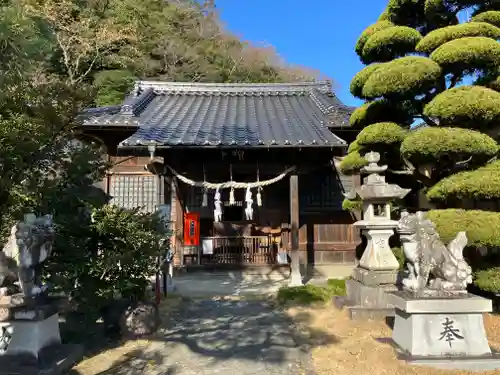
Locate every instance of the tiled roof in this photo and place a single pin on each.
(232, 115)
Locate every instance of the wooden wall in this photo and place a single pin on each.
(326, 234)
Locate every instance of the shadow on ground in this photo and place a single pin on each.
(224, 337)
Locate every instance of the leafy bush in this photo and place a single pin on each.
(309, 294)
(381, 133)
(482, 227)
(368, 32)
(443, 35)
(124, 257)
(492, 17)
(359, 80)
(481, 184)
(432, 144)
(488, 280)
(400, 256)
(389, 43)
(337, 287)
(378, 111)
(405, 76)
(465, 106)
(468, 53)
(351, 205)
(352, 162)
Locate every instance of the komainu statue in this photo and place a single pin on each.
(433, 268)
(28, 246)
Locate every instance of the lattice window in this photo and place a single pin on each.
(320, 191)
(134, 191)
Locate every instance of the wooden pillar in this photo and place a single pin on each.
(295, 276)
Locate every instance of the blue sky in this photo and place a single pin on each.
(320, 34)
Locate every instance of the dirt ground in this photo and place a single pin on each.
(341, 346)
(125, 357)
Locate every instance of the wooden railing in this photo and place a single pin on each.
(258, 250)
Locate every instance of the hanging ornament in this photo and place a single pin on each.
(259, 196)
(231, 197)
(231, 192)
(249, 200)
(217, 206)
(204, 202)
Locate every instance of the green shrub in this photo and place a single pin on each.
(465, 106)
(400, 256)
(310, 294)
(359, 80)
(389, 43)
(481, 184)
(127, 244)
(337, 287)
(304, 295)
(352, 163)
(378, 111)
(368, 32)
(488, 280)
(432, 144)
(351, 205)
(443, 35)
(481, 227)
(406, 77)
(492, 17)
(381, 133)
(354, 147)
(468, 53)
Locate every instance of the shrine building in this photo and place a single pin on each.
(247, 173)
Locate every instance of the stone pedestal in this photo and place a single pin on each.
(367, 293)
(442, 332)
(378, 255)
(30, 342)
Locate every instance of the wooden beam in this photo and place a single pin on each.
(295, 276)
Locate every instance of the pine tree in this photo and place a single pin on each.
(431, 88)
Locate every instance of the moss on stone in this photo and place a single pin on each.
(443, 35)
(359, 80)
(389, 43)
(378, 111)
(465, 106)
(406, 76)
(431, 144)
(492, 17)
(352, 163)
(368, 32)
(466, 54)
(480, 184)
(381, 133)
(482, 227)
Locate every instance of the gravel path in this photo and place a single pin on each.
(227, 338)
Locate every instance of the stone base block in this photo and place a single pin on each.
(375, 278)
(368, 302)
(437, 330)
(483, 363)
(29, 337)
(53, 360)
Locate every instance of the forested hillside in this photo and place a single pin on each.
(110, 43)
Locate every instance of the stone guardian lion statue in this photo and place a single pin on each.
(28, 246)
(432, 267)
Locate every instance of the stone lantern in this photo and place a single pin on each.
(377, 225)
(377, 271)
